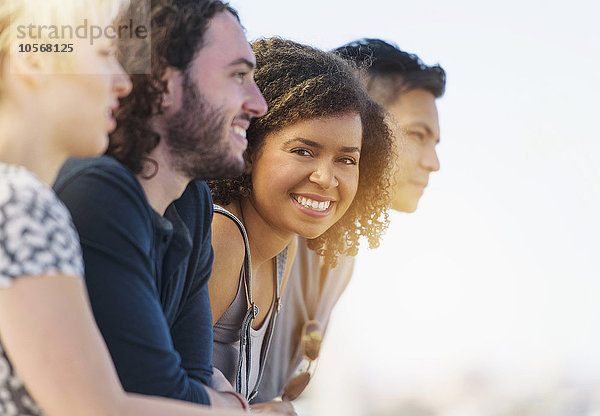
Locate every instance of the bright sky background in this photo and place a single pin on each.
(499, 269)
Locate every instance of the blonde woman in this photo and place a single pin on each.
(53, 360)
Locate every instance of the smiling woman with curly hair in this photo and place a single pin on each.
(301, 83)
(318, 166)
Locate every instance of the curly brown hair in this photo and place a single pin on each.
(177, 34)
(300, 82)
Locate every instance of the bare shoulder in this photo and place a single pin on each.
(227, 237)
(229, 251)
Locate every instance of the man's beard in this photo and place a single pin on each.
(197, 138)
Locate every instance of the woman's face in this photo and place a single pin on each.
(305, 176)
(87, 97)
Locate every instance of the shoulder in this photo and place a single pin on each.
(195, 206)
(99, 182)
(18, 186)
(227, 238)
(24, 199)
(197, 192)
(103, 169)
(103, 195)
(38, 235)
(101, 179)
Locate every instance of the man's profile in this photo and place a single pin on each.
(407, 88)
(144, 214)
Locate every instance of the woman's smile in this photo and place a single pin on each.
(317, 207)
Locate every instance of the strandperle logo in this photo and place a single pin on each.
(55, 41)
(92, 32)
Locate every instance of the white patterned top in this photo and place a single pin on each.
(37, 237)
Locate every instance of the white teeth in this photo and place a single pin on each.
(315, 205)
(239, 131)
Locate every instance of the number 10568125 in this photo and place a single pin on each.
(46, 47)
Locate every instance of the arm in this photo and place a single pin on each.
(283, 407)
(184, 332)
(117, 234)
(47, 328)
(192, 329)
(194, 321)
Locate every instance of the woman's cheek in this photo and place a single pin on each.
(349, 185)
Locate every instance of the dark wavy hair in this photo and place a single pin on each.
(177, 34)
(302, 83)
(391, 71)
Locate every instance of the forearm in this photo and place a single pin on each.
(136, 332)
(137, 405)
(56, 349)
(227, 399)
(282, 407)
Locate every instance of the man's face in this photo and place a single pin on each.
(416, 116)
(214, 100)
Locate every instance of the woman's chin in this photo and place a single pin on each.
(95, 147)
(311, 235)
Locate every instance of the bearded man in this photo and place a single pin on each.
(142, 211)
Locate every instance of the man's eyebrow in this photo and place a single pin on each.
(242, 61)
(312, 143)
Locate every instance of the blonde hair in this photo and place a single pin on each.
(17, 15)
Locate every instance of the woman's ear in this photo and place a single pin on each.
(248, 169)
(250, 160)
(22, 67)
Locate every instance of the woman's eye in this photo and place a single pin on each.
(348, 161)
(301, 152)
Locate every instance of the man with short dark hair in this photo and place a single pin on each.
(407, 88)
(142, 213)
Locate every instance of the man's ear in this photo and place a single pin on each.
(172, 77)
